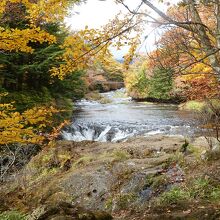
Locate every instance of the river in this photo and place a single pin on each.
(123, 118)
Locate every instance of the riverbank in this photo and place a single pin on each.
(130, 180)
(159, 101)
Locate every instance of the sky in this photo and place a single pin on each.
(96, 13)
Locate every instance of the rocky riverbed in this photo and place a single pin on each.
(125, 180)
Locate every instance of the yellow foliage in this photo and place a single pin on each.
(26, 127)
(129, 57)
(112, 66)
(89, 46)
(17, 40)
(133, 74)
(46, 11)
(14, 39)
(37, 13)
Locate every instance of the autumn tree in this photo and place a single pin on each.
(26, 127)
(91, 46)
(29, 45)
(136, 78)
(177, 49)
(199, 20)
(36, 52)
(146, 79)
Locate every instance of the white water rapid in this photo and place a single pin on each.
(122, 118)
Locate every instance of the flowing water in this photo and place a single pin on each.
(123, 118)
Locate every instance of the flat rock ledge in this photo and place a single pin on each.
(70, 178)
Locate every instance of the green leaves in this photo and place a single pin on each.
(161, 84)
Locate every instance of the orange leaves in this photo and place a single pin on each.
(39, 116)
(13, 129)
(81, 49)
(136, 77)
(200, 87)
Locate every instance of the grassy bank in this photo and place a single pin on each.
(199, 106)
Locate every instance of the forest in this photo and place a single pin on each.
(72, 145)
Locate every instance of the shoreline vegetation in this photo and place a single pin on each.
(156, 100)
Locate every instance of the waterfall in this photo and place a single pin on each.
(95, 132)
